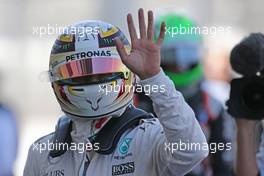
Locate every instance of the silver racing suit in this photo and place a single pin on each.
(159, 146)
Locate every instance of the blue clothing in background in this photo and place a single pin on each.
(8, 141)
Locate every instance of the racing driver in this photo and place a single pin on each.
(121, 139)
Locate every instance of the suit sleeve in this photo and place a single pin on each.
(179, 125)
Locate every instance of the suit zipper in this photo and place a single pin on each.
(86, 165)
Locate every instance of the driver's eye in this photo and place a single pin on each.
(113, 83)
(78, 89)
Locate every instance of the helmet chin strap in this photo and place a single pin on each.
(85, 128)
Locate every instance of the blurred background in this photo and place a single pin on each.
(24, 55)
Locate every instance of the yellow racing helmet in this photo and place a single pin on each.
(86, 71)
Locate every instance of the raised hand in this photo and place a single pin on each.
(144, 58)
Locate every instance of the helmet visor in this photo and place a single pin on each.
(91, 79)
(181, 55)
(85, 67)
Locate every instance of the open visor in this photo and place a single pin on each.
(85, 67)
